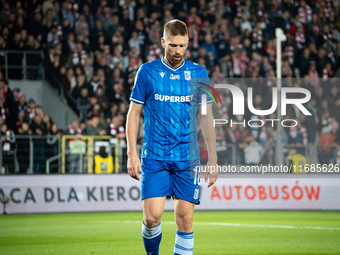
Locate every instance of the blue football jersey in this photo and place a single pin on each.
(170, 98)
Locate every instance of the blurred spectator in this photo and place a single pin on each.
(103, 162)
(82, 27)
(31, 108)
(52, 147)
(311, 121)
(47, 121)
(76, 148)
(83, 102)
(209, 46)
(97, 30)
(54, 72)
(326, 142)
(253, 152)
(50, 5)
(297, 162)
(39, 128)
(8, 105)
(69, 81)
(102, 98)
(106, 17)
(88, 16)
(8, 149)
(32, 59)
(193, 18)
(88, 69)
(93, 127)
(23, 145)
(298, 137)
(142, 36)
(81, 83)
(52, 37)
(66, 13)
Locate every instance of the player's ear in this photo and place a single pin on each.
(163, 42)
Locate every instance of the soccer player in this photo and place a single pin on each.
(170, 153)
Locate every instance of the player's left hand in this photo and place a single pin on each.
(211, 171)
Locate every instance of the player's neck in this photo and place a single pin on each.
(173, 66)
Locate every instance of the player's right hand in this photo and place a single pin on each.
(134, 166)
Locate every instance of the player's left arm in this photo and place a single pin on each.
(208, 129)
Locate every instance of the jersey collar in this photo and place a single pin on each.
(162, 59)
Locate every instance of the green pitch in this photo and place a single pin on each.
(216, 232)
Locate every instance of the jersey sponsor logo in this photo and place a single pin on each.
(174, 99)
(187, 75)
(174, 77)
(162, 74)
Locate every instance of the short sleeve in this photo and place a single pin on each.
(139, 91)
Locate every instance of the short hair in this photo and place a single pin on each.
(175, 27)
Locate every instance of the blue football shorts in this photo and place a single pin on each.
(171, 178)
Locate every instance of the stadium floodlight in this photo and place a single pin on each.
(280, 37)
(4, 200)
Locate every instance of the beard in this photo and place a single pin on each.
(175, 59)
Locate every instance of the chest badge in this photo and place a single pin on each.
(187, 75)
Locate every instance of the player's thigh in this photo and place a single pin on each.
(156, 180)
(186, 181)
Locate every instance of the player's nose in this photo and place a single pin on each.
(178, 49)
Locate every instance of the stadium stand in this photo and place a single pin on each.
(93, 49)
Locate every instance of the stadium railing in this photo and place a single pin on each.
(53, 155)
(231, 154)
(328, 154)
(81, 152)
(31, 151)
(24, 66)
(35, 154)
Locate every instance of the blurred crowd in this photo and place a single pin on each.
(92, 50)
(32, 119)
(255, 136)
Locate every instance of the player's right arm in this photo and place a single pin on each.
(133, 163)
(138, 98)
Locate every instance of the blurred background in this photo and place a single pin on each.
(68, 68)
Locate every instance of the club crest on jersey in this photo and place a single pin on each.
(162, 74)
(187, 75)
(174, 77)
